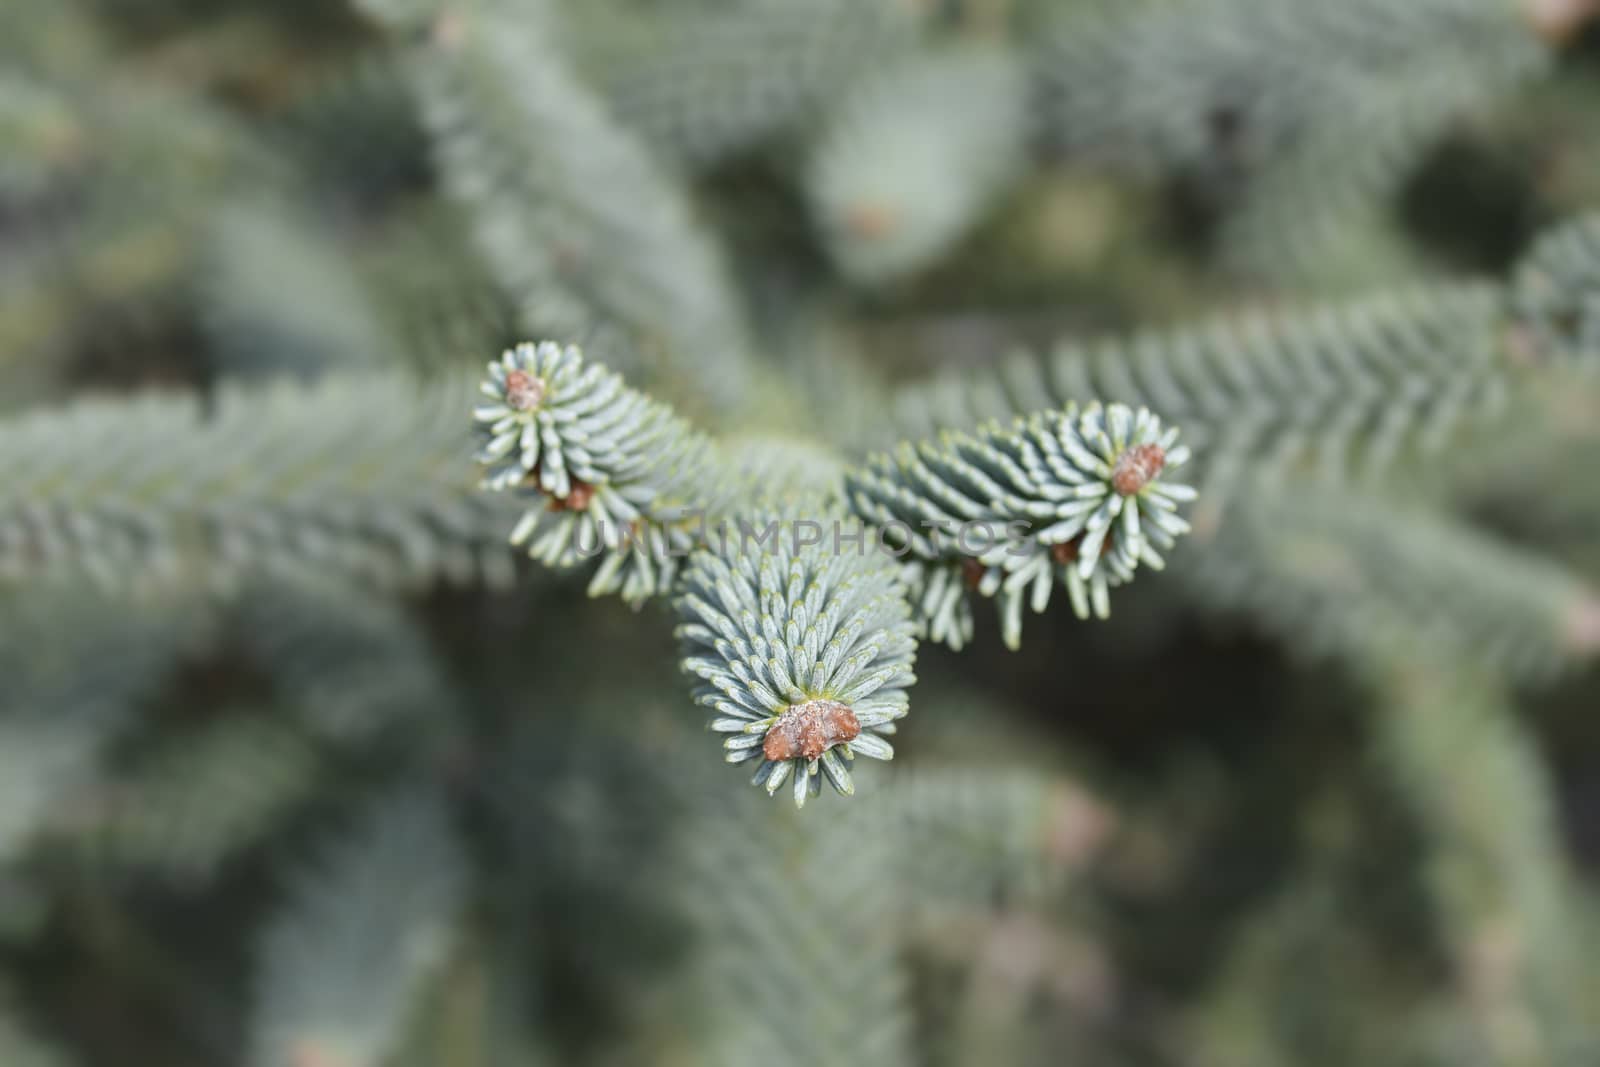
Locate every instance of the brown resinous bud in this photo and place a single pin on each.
(806, 731)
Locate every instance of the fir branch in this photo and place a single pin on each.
(1078, 498)
(804, 654)
(573, 216)
(1317, 112)
(202, 798)
(798, 961)
(364, 929)
(71, 682)
(351, 666)
(356, 136)
(1526, 489)
(1081, 498)
(347, 672)
(476, 1012)
(431, 290)
(705, 85)
(43, 759)
(1449, 736)
(120, 232)
(767, 979)
(1555, 297)
(278, 298)
(1330, 570)
(757, 462)
(159, 197)
(1229, 82)
(610, 471)
(1336, 392)
(1249, 1013)
(363, 476)
(913, 155)
(975, 838)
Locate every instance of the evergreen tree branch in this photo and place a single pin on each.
(805, 654)
(1298, 121)
(119, 228)
(431, 290)
(574, 217)
(1336, 393)
(1494, 860)
(799, 963)
(976, 838)
(609, 471)
(350, 681)
(913, 155)
(71, 682)
(364, 476)
(767, 983)
(363, 930)
(277, 299)
(792, 643)
(202, 798)
(1555, 297)
(705, 85)
(1333, 392)
(1330, 570)
(351, 665)
(1075, 498)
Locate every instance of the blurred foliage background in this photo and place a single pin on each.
(300, 766)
